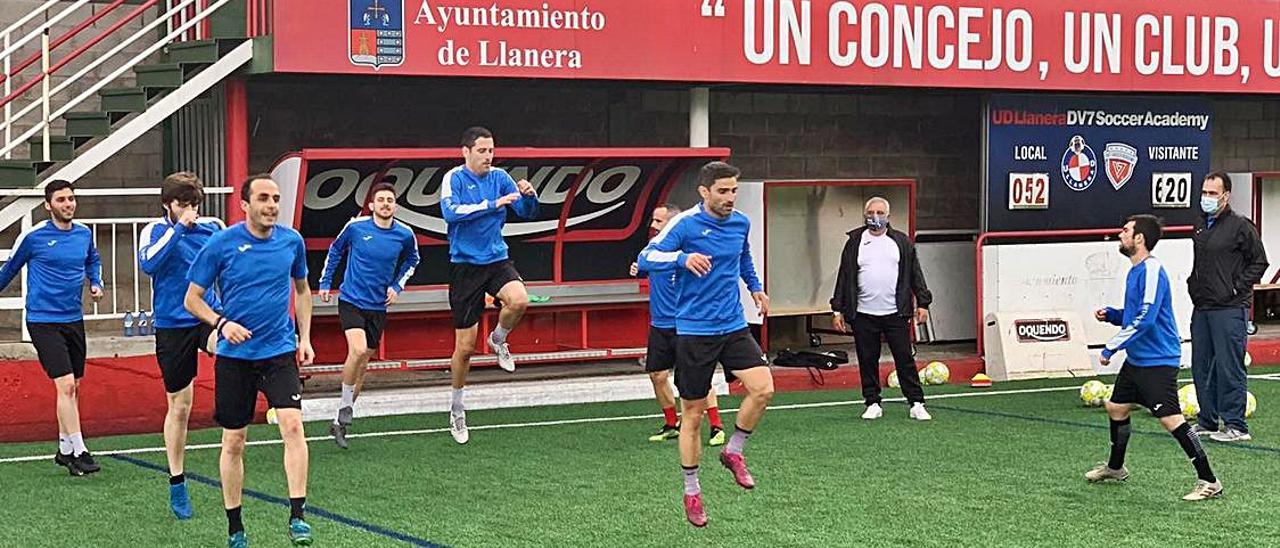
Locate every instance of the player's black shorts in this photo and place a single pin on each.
(661, 354)
(60, 347)
(371, 321)
(696, 357)
(468, 284)
(177, 352)
(237, 383)
(1155, 388)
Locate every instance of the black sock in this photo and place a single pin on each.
(234, 525)
(1191, 445)
(1119, 443)
(296, 506)
(180, 478)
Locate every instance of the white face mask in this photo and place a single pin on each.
(1210, 205)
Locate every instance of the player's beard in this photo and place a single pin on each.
(1127, 251)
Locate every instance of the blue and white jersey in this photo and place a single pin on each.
(1149, 331)
(255, 279)
(378, 259)
(475, 225)
(167, 251)
(57, 261)
(709, 304)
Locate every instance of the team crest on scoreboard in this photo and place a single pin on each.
(1120, 160)
(375, 32)
(1079, 165)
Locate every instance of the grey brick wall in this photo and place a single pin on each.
(1246, 134)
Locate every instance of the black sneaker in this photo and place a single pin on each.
(69, 462)
(85, 462)
(339, 433)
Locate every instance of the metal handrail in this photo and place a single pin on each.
(42, 29)
(71, 56)
(115, 74)
(98, 15)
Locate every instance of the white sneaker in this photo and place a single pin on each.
(1231, 434)
(918, 413)
(504, 355)
(873, 412)
(458, 426)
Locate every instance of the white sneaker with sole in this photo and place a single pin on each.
(873, 412)
(1204, 490)
(458, 426)
(918, 412)
(504, 355)
(1230, 435)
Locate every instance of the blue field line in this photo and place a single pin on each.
(1103, 426)
(312, 510)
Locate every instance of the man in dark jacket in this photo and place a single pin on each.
(1229, 259)
(880, 290)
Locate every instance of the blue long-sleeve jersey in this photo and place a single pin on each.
(662, 298)
(709, 304)
(377, 259)
(57, 263)
(1149, 333)
(168, 248)
(475, 225)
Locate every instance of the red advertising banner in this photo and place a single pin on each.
(1230, 46)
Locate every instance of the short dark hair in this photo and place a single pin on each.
(54, 186)
(248, 182)
(1221, 175)
(380, 187)
(670, 207)
(1149, 226)
(470, 135)
(714, 171)
(184, 187)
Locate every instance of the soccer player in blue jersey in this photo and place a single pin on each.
(1149, 374)
(474, 199)
(660, 356)
(381, 255)
(709, 248)
(169, 245)
(257, 267)
(59, 255)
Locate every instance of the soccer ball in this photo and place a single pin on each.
(1187, 401)
(1250, 404)
(1248, 359)
(893, 379)
(271, 416)
(936, 373)
(1107, 391)
(1092, 393)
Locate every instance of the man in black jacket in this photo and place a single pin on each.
(880, 290)
(1229, 259)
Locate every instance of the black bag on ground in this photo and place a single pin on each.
(828, 360)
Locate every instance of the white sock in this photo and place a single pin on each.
(457, 400)
(64, 444)
(499, 334)
(77, 443)
(348, 395)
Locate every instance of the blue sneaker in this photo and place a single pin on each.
(180, 501)
(299, 532)
(238, 540)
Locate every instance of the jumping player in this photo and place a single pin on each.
(709, 248)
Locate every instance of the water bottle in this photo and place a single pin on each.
(128, 323)
(144, 324)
